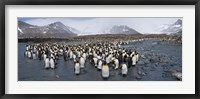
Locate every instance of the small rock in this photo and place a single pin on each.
(57, 76)
(163, 75)
(138, 77)
(156, 64)
(177, 75)
(140, 62)
(151, 60)
(142, 68)
(139, 72)
(152, 69)
(143, 74)
(142, 56)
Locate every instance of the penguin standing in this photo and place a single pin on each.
(137, 57)
(47, 63)
(44, 56)
(99, 67)
(118, 45)
(116, 62)
(79, 54)
(77, 68)
(124, 69)
(133, 60)
(95, 61)
(37, 54)
(90, 56)
(29, 54)
(107, 60)
(65, 55)
(129, 62)
(82, 62)
(27, 47)
(70, 54)
(120, 58)
(52, 63)
(105, 71)
(84, 56)
(126, 58)
(34, 55)
(110, 57)
(40, 55)
(103, 56)
(26, 53)
(74, 57)
(35, 49)
(61, 52)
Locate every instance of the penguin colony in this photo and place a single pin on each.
(101, 55)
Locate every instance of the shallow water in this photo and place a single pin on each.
(149, 67)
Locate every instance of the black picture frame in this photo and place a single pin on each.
(99, 2)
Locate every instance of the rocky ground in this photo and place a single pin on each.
(158, 60)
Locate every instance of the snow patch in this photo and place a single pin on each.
(44, 32)
(32, 27)
(20, 30)
(177, 26)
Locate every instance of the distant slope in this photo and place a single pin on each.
(54, 30)
(173, 28)
(120, 29)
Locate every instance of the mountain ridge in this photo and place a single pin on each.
(54, 30)
(174, 28)
(123, 29)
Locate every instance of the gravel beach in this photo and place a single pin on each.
(158, 59)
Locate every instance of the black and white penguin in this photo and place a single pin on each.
(105, 70)
(40, 55)
(84, 56)
(100, 63)
(82, 62)
(74, 57)
(52, 63)
(61, 52)
(116, 63)
(137, 57)
(133, 60)
(27, 47)
(124, 69)
(90, 56)
(78, 54)
(34, 55)
(129, 62)
(44, 56)
(29, 54)
(26, 53)
(107, 59)
(65, 55)
(120, 58)
(47, 63)
(77, 68)
(95, 59)
(70, 54)
(103, 56)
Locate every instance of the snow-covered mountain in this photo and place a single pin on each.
(171, 28)
(120, 29)
(52, 30)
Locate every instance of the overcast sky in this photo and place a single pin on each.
(91, 25)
